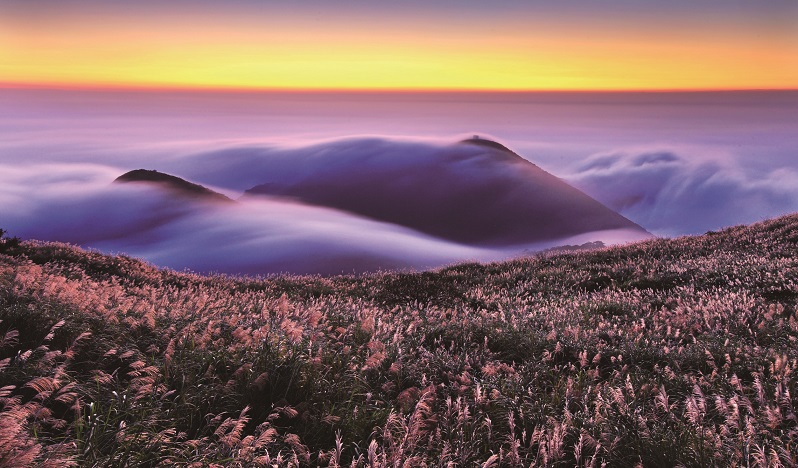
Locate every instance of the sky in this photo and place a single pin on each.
(411, 44)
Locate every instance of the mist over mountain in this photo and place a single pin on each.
(352, 205)
(476, 192)
(732, 153)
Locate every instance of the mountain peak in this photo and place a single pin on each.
(499, 149)
(172, 183)
(480, 141)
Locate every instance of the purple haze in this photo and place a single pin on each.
(673, 163)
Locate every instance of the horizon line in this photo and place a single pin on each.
(397, 90)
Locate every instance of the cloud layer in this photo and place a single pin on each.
(721, 159)
(253, 237)
(480, 187)
(672, 194)
(669, 192)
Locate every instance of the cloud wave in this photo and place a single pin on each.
(253, 237)
(672, 194)
(78, 203)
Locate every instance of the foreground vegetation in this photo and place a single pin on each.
(664, 353)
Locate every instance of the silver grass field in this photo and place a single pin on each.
(669, 352)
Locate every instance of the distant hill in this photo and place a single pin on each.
(174, 184)
(475, 192)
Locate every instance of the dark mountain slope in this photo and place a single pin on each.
(476, 192)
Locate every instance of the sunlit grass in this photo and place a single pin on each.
(661, 353)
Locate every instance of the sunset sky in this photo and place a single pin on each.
(354, 44)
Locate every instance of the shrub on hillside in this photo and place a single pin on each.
(8, 244)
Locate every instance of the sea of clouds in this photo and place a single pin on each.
(79, 203)
(664, 192)
(674, 165)
(672, 194)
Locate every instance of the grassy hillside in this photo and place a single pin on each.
(662, 353)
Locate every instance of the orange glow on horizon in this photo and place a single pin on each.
(136, 87)
(206, 54)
